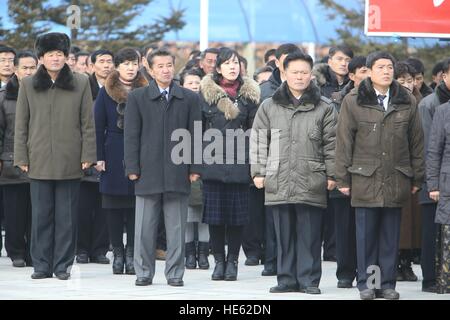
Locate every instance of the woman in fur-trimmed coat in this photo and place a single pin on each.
(117, 191)
(229, 107)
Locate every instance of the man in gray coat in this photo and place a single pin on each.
(54, 141)
(292, 156)
(152, 115)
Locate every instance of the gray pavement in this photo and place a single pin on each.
(96, 282)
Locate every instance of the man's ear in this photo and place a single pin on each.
(351, 76)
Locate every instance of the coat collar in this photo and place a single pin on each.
(249, 91)
(174, 91)
(42, 80)
(12, 88)
(366, 95)
(116, 90)
(311, 97)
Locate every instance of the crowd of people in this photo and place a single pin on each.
(346, 161)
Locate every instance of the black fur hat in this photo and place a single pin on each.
(52, 41)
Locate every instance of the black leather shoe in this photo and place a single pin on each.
(310, 290)
(62, 275)
(143, 282)
(202, 255)
(219, 269)
(430, 289)
(268, 273)
(18, 263)
(40, 275)
(252, 261)
(367, 294)
(101, 259)
(175, 282)
(408, 274)
(231, 268)
(390, 294)
(346, 284)
(82, 258)
(283, 288)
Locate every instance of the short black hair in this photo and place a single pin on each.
(24, 54)
(209, 50)
(297, 56)
(144, 50)
(262, 70)
(286, 48)
(437, 68)
(271, 64)
(125, 54)
(417, 64)
(81, 54)
(4, 49)
(159, 53)
(242, 59)
(356, 63)
(270, 52)
(340, 48)
(377, 55)
(446, 65)
(402, 68)
(190, 72)
(195, 53)
(224, 55)
(74, 50)
(101, 52)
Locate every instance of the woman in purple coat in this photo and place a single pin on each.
(117, 191)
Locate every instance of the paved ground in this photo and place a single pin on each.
(94, 281)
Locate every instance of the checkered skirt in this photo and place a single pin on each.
(225, 203)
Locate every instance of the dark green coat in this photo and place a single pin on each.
(297, 171)
(54, 129)
(379, 154)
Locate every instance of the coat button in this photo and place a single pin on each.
(359, 168)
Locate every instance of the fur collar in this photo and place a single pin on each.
(367, 96)
(42, 80)
(116, 90)
(323, 75)
(310, 96)
(12, 88)
(320, 72)
(214, 94)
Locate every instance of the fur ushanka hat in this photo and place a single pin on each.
(52, 41)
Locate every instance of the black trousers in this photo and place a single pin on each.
(233, 235)
(328, 230)
(345, 239)
(253, 241)
(117, 219)
(429, 233)
(298, 230)
(271, 247)
(92, 227)
(54, 224)
(17, 208)
(377, 242)
(2, 216)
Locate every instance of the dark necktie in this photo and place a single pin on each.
(381, 99)
(164, 93)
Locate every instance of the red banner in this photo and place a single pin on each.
(415, 18)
